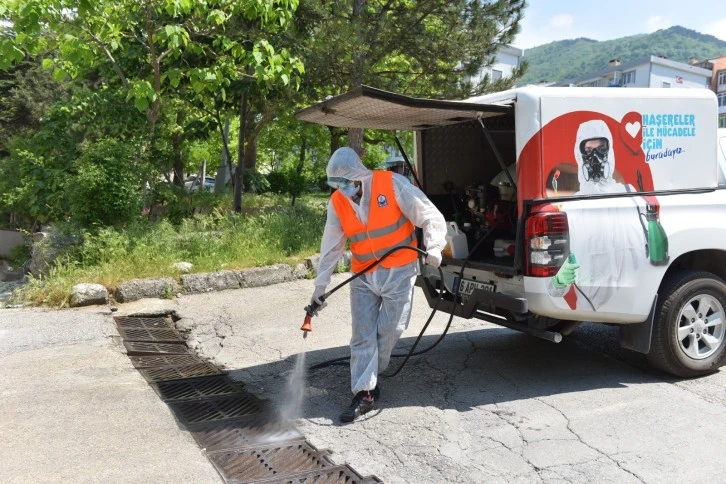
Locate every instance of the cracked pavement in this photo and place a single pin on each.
(487, 405)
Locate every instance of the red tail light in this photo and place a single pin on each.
(547, 243)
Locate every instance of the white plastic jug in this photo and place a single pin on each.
(456, 245)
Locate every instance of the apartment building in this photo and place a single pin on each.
(652, 71)
(717, 83)
(508, 59)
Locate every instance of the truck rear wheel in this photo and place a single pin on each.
(689, 330)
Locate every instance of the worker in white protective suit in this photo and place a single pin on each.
(375, 211)
(607, 240)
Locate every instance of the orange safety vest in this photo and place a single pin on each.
(387, 226)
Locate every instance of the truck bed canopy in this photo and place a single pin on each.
(371, 108)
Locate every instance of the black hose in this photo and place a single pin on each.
(586, 298)
(369, 267)
(457, 289)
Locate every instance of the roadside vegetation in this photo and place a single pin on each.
(211, 242)
(118, 116)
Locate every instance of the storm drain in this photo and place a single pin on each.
(214, 386)
(213, 409)
(265, 462)
(135, 348)
(154, 335)
(244, 440)
(246, 432)
(143, 323)
(153, 361)
(329, 475)
(179, 372)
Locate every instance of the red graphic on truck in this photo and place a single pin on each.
(589, 155)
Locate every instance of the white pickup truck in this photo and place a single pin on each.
(578, 204)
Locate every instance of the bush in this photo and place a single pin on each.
(290, 182)
(107, 189)
(255, 182)
(277, 181)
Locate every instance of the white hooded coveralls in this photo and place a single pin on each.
(607, 240)
(380, 301)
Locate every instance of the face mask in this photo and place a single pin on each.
(595, 164)
(349, 191)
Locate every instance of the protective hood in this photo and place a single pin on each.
(345, 163)
(589, 130)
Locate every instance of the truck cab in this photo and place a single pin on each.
(575, 204)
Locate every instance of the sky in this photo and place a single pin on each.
(549, 20)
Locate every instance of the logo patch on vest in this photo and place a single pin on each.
(382, 200)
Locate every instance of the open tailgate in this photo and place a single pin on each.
(371, 108)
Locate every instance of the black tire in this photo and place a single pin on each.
(666, 352)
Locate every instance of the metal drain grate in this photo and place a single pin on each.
(247, 432)
(166, 373)
(213, 386)
(329, 475)
(265, 462)
(142, 323)
(155, 361)
(158, 335)
(213, 409)
(135, 348)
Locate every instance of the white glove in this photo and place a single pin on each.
(434, 257)
(319, 291)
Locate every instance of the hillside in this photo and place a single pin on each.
(567, 59)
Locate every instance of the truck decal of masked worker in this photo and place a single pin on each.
(607, 243)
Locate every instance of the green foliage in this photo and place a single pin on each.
(20, 254)
(570, 59)
(422, 48)
(256, 182)
(277, 181)
(107, 175)
(26, 93)
(101, 246)
(34, 177)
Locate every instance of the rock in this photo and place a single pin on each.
(300, 271)
(8, 273)
(211, 281)
(183, 267)
(347, 258)
(7, 289)
(143, 288)
(88, 294)
(312, 262)
(264, 276)
(47, 247)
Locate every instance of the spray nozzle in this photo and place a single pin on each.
(307, 325)
(310, 311)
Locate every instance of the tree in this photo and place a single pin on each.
(27, 92)
(151, 48)
(426, 48)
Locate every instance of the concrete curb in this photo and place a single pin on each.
(203, 282)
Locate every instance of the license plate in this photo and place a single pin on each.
(466, 288)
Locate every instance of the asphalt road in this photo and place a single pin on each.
(487, 405)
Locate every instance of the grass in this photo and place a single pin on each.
(267, 234)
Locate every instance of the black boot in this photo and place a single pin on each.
(362, 403)
(376, 392)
